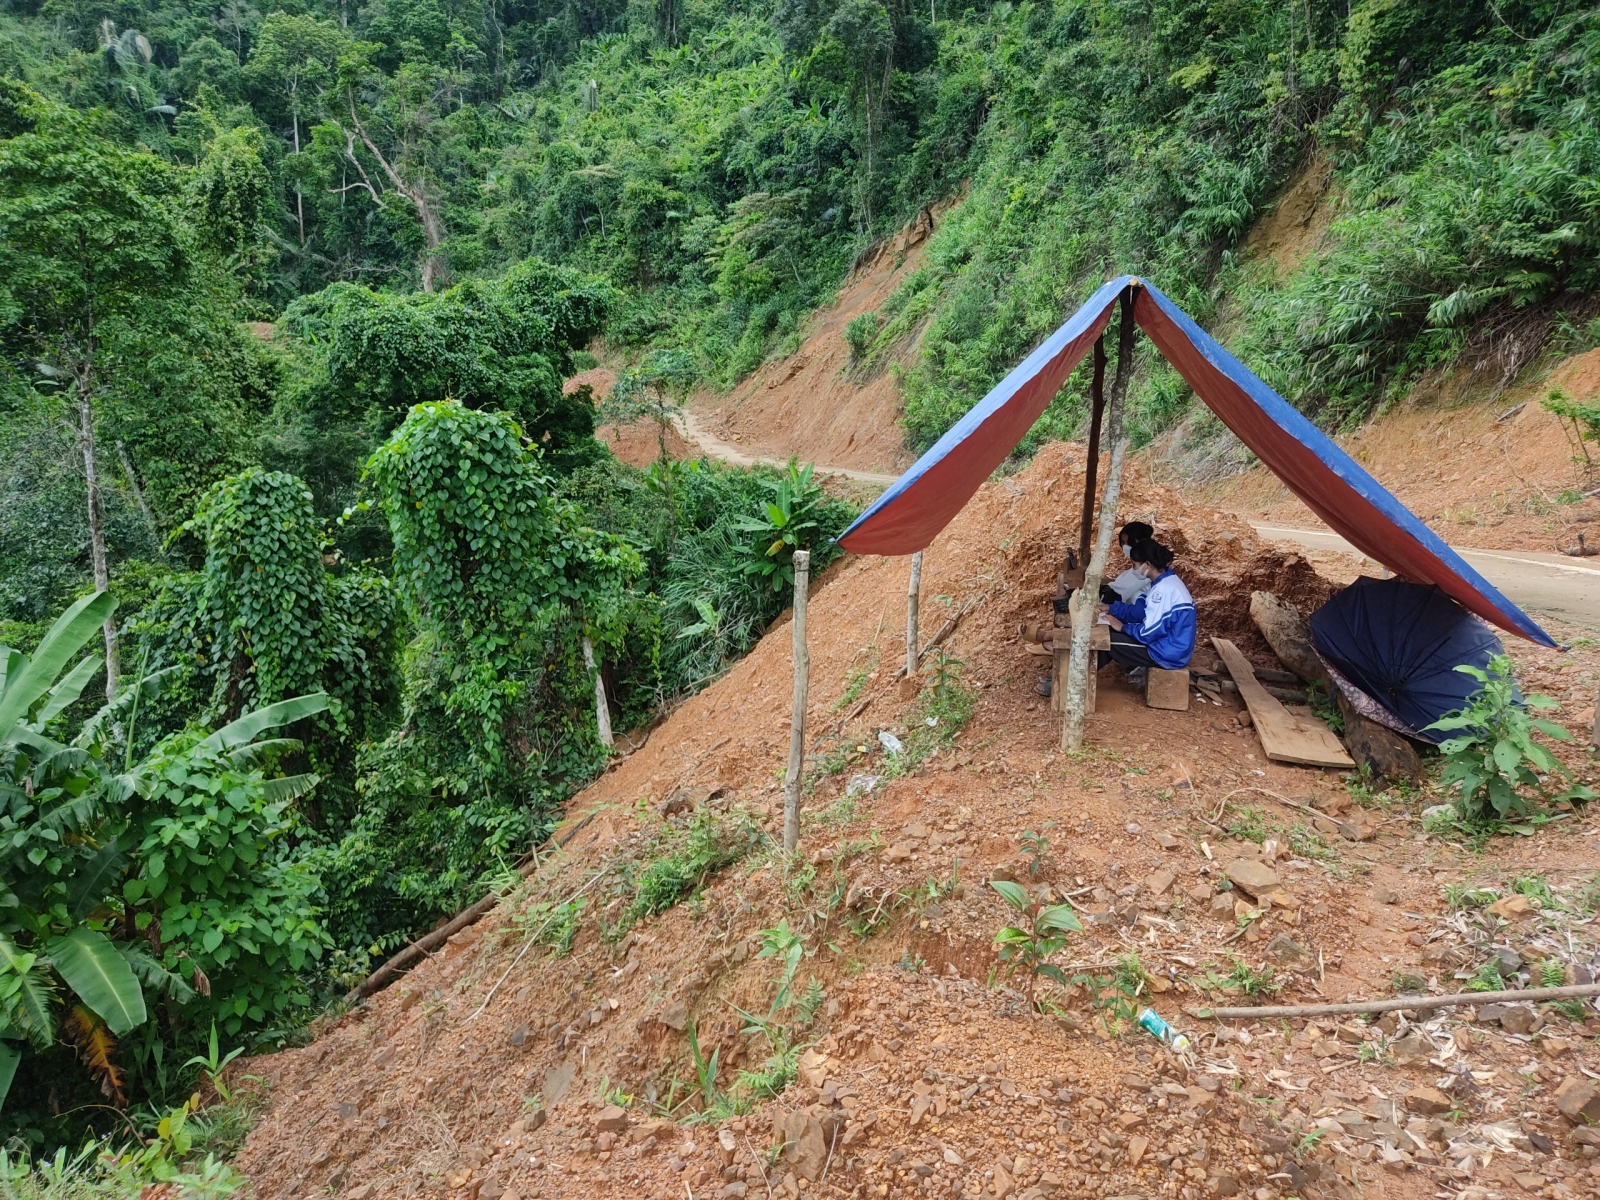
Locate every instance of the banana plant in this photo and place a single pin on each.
(61, 811)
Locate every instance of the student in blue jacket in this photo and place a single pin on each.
(1157, 629)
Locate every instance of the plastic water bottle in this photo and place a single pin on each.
(1151, 1022)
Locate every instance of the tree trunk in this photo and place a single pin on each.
(1091, 469)
(797, 717)
(299, 205)
(602, 710)
(97, 533)
(913, 597)
(1076, 701)
(138, 495)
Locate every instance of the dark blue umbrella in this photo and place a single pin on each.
(1401, 643)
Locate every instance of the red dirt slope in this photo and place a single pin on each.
(484, 1074)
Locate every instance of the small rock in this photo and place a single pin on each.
(612, 1119)
(1583, 1135)
(1287, 952)
(360, 1192)
(519, 1035)
(1158, 883)
(1166, 841)
(1253, 876)
(675, 1016)
(1385, 896)
(1528, 1180)
(1513, 908)
(899, 852)
(1200, 893)
(951, 1157)
(1579, 1100)
(1136, 1148)
(1518, 1018)
(1134, 827)
(1427, 1101)
(1225, 1185)
(735, 1189)
(1410, 1050)
(1003, 1184)
(1222, 904)
(1555, 1047)
(1360, 827)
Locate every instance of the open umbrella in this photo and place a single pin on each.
(1400, 643)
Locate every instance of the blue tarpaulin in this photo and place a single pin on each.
(919, 504)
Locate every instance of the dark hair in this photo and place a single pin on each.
(1151, 551)
(1135, 532)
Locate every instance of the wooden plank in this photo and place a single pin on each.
(1285, 736)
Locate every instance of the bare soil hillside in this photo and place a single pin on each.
(1496, 472)
(812, 403)
(511, 1066)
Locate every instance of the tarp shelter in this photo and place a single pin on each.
(908, 516)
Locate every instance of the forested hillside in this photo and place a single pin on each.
(288, 295)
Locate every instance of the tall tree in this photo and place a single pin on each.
(88, 239)
(295, 58)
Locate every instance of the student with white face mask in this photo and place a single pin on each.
(1131, 584)
(1157, 629)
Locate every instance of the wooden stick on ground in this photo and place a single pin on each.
(1398, 1003)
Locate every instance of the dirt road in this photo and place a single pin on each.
(695, 433)
(1565, 588)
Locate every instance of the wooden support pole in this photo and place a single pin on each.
(1075, 706)
(797, 717)
(913, 595)
(1091, 470)
(602, 710)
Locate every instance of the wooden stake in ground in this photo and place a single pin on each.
(1076, 702)
(1091, 468)
(913, 594)
(602, 710)
(797, 718)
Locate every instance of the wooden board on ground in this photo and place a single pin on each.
(1285, 736)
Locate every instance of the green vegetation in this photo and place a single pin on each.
(1493, 759)
(1028, 947)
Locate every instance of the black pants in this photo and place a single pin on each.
(1126, 651)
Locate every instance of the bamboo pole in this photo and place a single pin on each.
(1399, 1003)
(1075, 704)
(1091, 471)
(797, 718)
(913, 595)
(602, 710)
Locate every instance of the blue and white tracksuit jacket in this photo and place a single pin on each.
(1163, 619)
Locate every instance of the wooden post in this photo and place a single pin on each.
(913, 594)
(797, 717)
(1594, 738)
(1091, 470)
(1075, 704)
(602, 710)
